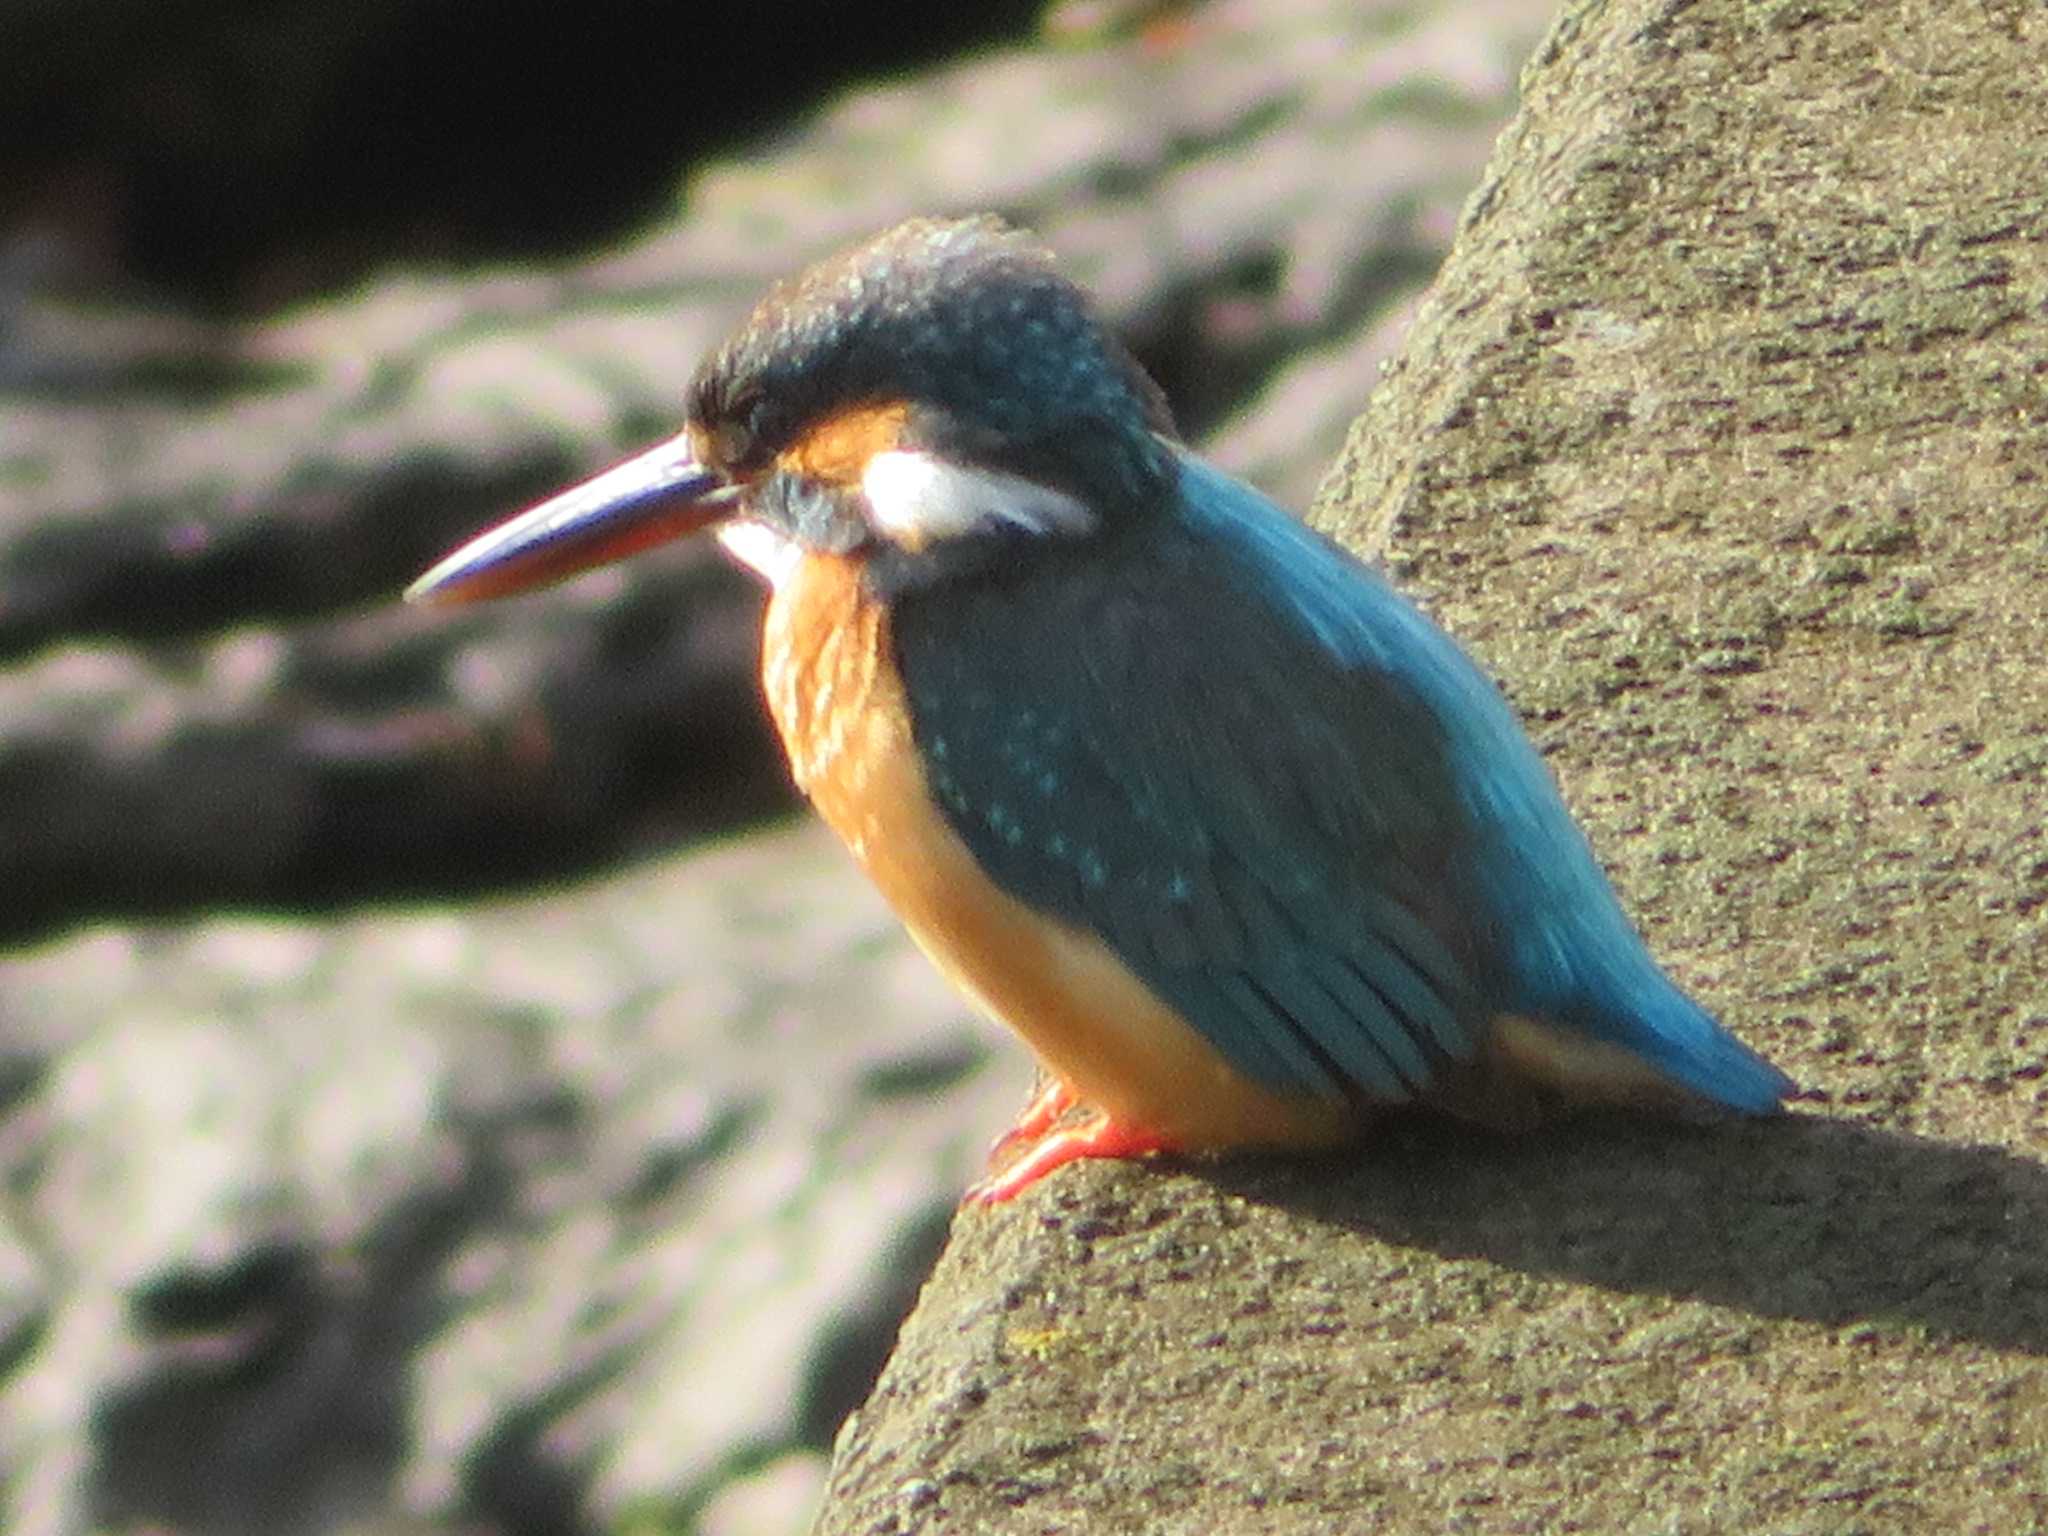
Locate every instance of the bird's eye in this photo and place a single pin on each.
(743, 430)
(753, 415)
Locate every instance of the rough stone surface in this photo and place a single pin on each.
(423, 1212)
(1723, 438)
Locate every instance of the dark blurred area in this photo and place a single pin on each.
(235, 157)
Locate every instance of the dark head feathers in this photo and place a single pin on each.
(1002, 359)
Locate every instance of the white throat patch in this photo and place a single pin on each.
(919, 500)
(759, 546)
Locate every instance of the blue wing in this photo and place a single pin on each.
(1286, 800)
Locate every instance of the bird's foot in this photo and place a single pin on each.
(1039, 1116)
(1099, 1137)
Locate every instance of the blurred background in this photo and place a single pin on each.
(445, 1085)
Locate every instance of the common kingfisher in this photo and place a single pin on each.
(1242, 844)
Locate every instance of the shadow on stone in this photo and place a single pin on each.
(1801, 1218)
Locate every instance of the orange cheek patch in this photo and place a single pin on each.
(838, 448)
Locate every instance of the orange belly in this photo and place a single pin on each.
(829, 671)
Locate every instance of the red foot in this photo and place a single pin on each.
(1039, 1116)
(1100, 1137)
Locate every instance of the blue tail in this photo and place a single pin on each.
(1636, 1006)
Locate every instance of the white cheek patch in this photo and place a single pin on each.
(762, 548)
(919, 500)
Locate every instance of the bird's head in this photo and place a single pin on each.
(930, 401)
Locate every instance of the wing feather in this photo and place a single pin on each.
(1139, 742)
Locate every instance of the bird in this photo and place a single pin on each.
(1243, 845)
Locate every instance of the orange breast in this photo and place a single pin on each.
(829, 671)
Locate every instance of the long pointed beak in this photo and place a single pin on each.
(654, 497)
